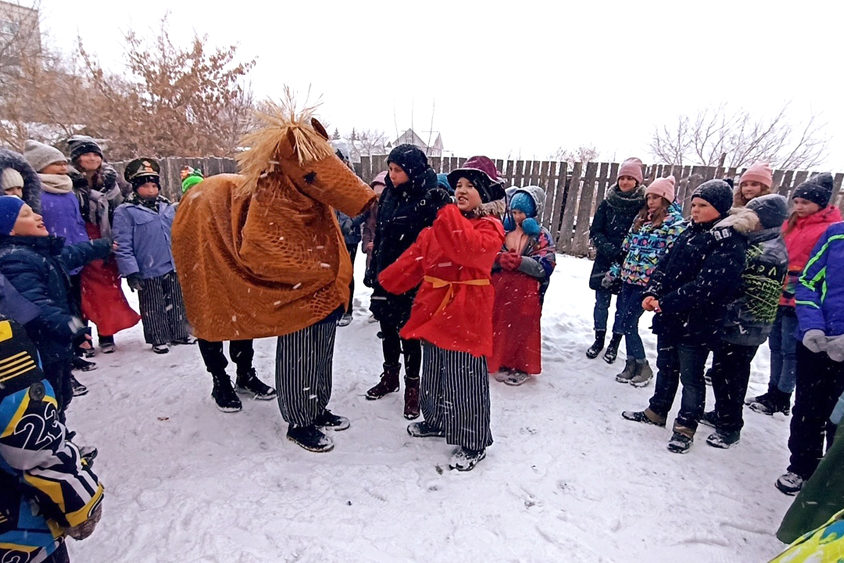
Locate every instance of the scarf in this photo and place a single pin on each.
(56, 183)
(151, 204)
(628, 200)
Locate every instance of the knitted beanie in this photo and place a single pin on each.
(10, 178)
(817, 189)
(758, 172)
(82, 144)
(662, 187)
(190, 181)
(772, 210)
(40, 156)
(632, 167)
(442, 181)
(411, 159)
(524, 203)
(10, 207)
(717, 193)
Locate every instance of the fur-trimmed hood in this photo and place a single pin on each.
(741, 219)
(31, 182)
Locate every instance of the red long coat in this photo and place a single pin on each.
(452, 259)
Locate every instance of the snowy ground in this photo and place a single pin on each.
(566, 480)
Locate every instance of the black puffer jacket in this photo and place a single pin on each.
(696, 280)
(403, 211)
(610, 225)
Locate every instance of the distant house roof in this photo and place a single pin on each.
(410, 137)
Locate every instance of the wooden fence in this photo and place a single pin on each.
(572, 192)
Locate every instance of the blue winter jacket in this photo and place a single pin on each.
(143, 239)
(63, 218)
(37, 267)
(820, 293)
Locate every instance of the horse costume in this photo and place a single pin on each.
(261, 254)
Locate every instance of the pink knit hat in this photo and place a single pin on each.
(632, 167)
(663, 187)
(758, 172)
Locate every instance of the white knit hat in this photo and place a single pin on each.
(10, 178)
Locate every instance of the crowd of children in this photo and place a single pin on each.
(459, 268)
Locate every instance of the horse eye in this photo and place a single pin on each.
(310, 177)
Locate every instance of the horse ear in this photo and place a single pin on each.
(287, 145)
(319, 128)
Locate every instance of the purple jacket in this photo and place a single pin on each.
(63, 219)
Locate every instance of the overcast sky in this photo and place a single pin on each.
(515, 78)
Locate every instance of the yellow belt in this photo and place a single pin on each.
(438, 283)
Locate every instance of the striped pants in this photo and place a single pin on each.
(303, 364)
(163, 309)
(455, 396)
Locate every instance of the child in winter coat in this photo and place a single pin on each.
(47, 489)
(657, 225)
(749, 318)
(36, 264)
(520, 277)
(811, 215)
(755, 182)
(452, 315)
(142, 230)
(96, 186)
(689, 291)
(609, 226)
(408, 204)
(820, 357)
(60, 210)
(190, 177)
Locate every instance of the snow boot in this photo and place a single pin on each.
(310, 437)
(464, 459)
(646, 416)
(389, 382)
(772, 402)
(750, 400)
(723, 439)
(710, 419)
(82, 364)
(424, 430)
(516, 378)
(248, 383)
(77, 388)
(330, 420)
(612, 349)
(345, 320)
(598, 345)
(160, 348)
(783, 402)
(681, 440)
(643, 374)
(790, 483)
(223, 393)
(628, 372)
(411, 398)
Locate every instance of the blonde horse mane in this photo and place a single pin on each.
(281, 120)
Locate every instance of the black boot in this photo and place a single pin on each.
(248, 383)
(598, 345)
(223, 393)
(612, 350)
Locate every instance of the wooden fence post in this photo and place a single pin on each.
(580, 244)
(569, 212)
(555, 217)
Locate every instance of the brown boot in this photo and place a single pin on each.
(389, 383)
(411, 398)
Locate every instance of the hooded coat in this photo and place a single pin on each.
(749, 319)
(820, 304)
(403, 211)
(610, 225)
(800, 240)
(31, 182)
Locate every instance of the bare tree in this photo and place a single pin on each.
(740, 139)
(367, 141)
(583, 153)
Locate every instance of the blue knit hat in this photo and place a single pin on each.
(10, 207)
(524, 203)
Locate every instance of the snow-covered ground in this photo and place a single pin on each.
(566, 480)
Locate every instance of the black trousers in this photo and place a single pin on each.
(60, 555)
(58, 374)
(240, 352)
(730, 374)
(393, 346)
(820, 382)
(353, 250)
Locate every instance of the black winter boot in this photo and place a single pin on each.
(389, 382)
(598, 345)
(411, 398)
(612, 350)
(248, 383)
(223, 393)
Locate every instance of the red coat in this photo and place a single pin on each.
(799, 243)
(452, 259)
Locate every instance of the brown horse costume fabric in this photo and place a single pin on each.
(260, 253)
